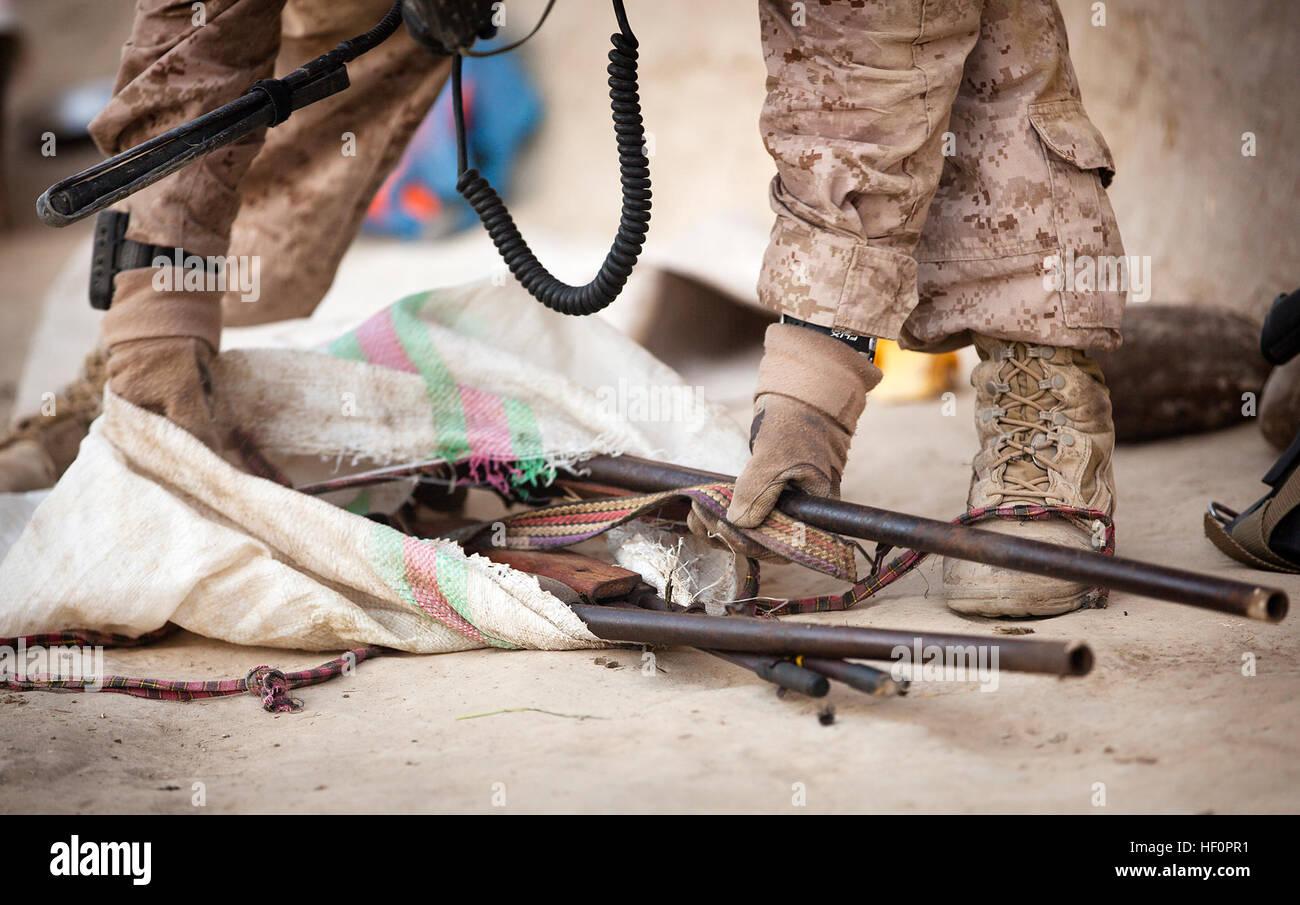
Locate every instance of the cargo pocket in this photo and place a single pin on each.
(1093, 268)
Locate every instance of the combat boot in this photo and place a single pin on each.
(1046, 439)
(36, 453)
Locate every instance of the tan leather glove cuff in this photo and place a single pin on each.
(140, 311)
(816, 370)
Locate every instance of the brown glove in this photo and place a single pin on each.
(168, 376)
(811, 391)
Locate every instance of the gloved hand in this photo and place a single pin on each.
(811, 391)
(168, 376)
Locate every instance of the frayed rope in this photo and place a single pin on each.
(269, 684)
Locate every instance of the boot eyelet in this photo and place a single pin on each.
(997, 386)
(1065, 439)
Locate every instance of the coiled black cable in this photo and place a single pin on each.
(354, 47)
(634, 169)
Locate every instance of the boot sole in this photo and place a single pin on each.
(1009, 608)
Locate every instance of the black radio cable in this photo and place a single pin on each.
(634, 169)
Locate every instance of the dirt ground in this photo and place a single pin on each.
(1166, 721)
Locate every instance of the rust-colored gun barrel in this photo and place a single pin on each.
(964, 542)
(750, 634)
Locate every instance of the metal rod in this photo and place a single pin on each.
(873, 681)
(778, 672)
(768, 636)
(796, 676)
(964, 542)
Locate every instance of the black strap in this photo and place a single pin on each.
(864, 344)
(113, 253)
(281, 97)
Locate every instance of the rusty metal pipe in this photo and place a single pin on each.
(774, 669)
(796, 675)
(965, 542)
(767, 636)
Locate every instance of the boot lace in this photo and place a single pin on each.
(1026, 411)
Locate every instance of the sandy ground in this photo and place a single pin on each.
(1167, 722)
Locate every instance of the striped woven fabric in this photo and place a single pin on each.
(570, 523)
(88, 638)
(432, 580)
(498, 436)
(269, 684)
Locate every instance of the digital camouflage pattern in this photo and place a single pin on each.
(932, 156)
(245, 199)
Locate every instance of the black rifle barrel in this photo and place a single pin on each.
(768, 636)
(873, 681)
(965, 542)
(110, 181)
(778, 671)
(265, 104)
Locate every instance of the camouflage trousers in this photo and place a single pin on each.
(932, 158)
(295, 195)
(935, 169)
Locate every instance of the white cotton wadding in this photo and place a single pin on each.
(684, 570)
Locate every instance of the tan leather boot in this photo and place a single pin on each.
(1046, 438)
(40, 448)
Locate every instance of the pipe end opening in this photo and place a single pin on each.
(1276, 606)
(1080, 659)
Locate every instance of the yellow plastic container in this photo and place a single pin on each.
(911, 376)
